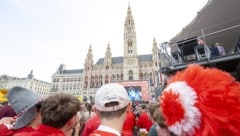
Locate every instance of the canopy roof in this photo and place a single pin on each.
(218, 21)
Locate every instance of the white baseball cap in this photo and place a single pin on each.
(111, 92)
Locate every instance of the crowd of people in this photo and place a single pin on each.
(113, 114)
(179, 111)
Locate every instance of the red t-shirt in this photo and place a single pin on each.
(102, 133)
(4, 131)
(144, 121)
(129, 124)
(91, 125)
(44, 130)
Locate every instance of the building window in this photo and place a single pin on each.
(141, 76)
(113, 77)
(130, 75)
(106, 79)
(107, 67)
(130, 47)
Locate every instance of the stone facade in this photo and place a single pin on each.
(128, 67)
(67, 81)
(29, 82)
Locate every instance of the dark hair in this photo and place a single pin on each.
(112, 114)
(151, 107)
(58, 109)
(88, 106)
(143, 106)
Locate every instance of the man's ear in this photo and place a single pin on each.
(71, 122)
(129, 107)
(96, 111)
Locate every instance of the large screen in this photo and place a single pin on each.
(138, 90)
(134, 93)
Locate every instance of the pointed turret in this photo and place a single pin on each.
(89, 60)
(155, 51)
(60, 69)
(30, 75)
(154, 48)
(108, 56)
(88, 68)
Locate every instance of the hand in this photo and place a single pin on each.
(77, 129)
(7, 120)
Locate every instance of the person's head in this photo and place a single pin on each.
(157, 117)
(82, 107)
(60, 111)
(88, 106)
(201, 41)
(151, 107)
(217, 44)
(143, 107)
(111, 101)
(26, 105)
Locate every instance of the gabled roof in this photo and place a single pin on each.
(146, 57)
(73, 71)
(119, 60)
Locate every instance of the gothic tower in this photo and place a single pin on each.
(155, 63)
(107, 64)
(130, 58)
(88, 69)
(155, 59)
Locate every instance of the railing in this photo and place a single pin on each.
(170, 58)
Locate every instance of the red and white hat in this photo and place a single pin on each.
(202, 101)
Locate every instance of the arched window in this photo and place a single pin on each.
(151, 79)
(107, 67)
(130, 46)
(141, 76)
(86, 82)
(92, 82)
(106, 79)
(130, 75)
(96, 81)
(113, 77)
(100, 80)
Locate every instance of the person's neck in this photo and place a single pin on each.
(116, 123)
(64, 130)
(34, 124)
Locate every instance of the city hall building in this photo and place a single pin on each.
(129, 67)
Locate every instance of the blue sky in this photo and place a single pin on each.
(40, 35)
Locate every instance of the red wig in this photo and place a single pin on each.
(202, 102)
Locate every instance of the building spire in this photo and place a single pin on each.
(130, 57)
(89, 58)
(130, 45)
(108, 55)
